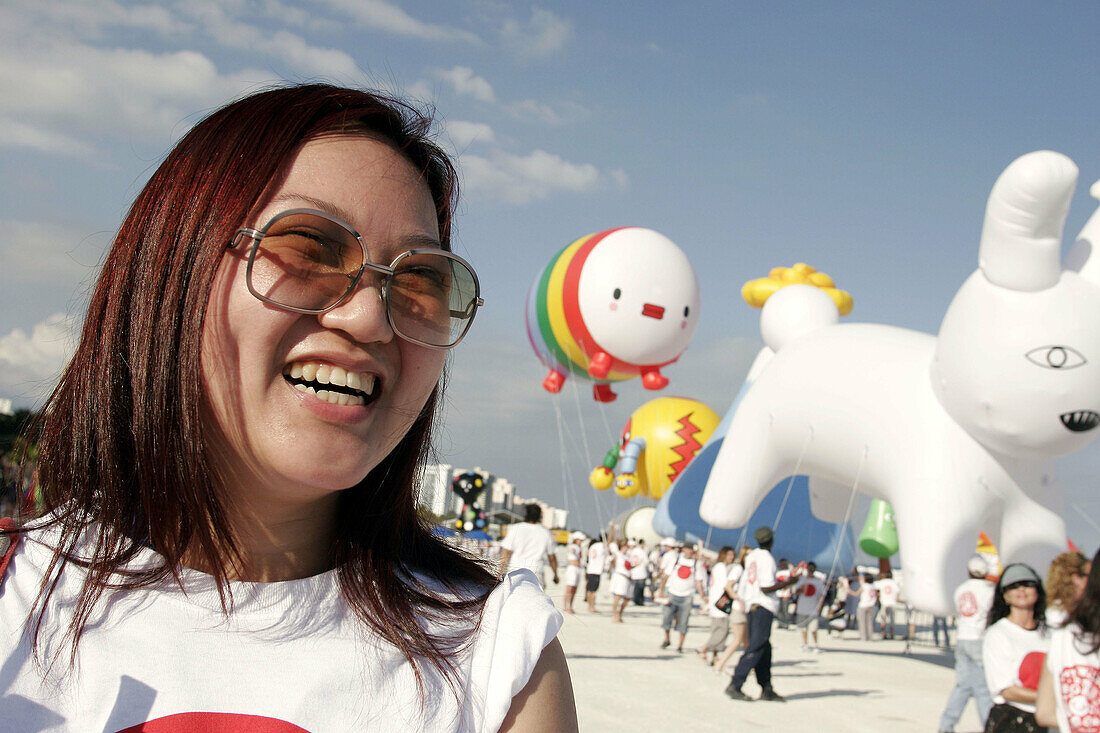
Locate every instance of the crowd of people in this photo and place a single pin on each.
(1026, 651)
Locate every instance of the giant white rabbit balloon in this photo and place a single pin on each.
(956, 432)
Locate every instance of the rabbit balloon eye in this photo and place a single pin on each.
(617, 294)
(1056, 357)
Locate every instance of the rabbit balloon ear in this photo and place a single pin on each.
(1022, 235)
(1083, 258)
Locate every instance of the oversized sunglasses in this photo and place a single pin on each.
(309, 261)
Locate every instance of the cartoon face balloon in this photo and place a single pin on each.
(612, 306)
(659, 441)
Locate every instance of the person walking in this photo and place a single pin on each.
(685, 580)
(639, 571)
(973, 599)
(719, 618)
(594, 568)
(530, 545)
(759, 587)
(810, 594)
(888, 593)
(573, 570)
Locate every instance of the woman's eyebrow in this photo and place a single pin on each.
(320, 204)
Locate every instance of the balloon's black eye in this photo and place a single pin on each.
(686, 311)
(617, 294)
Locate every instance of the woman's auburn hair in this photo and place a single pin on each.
(123, 446)
(1059, 583)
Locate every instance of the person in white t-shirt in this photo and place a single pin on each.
(809, 592)
(888, 593)
(620, 578)
(758, 588)
(530, 545)
(1069, 687)
(594, 569)
(973, 599)
(719, 619)
(1014, 647)
(574, 570)
(686, 578)
(783, 574)
(226, 534)
(866, 607)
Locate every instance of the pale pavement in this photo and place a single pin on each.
(624, 681)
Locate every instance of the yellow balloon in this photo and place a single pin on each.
(601, 478)
(675, 429)
(626, 486)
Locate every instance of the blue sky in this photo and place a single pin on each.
(860, 137)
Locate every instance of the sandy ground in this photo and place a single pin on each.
(624, 681)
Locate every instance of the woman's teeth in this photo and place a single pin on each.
(332, 384)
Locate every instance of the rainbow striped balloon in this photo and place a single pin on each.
(612, 306)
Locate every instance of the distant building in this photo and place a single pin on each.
(500, 501)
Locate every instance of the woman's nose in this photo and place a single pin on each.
(363, 314)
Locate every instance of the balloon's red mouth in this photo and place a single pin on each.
(653, 311)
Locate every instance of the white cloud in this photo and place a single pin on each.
(619, 176)
(520, 178)
(532, 109)
(14, 134)
(47, 254)
(463, 80)
(542, 35)
(462, 134)
(387, 17)
(33, 362)
(233, 32)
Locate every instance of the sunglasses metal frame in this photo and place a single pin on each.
(257, 235)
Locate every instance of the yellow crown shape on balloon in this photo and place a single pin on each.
(756, 292)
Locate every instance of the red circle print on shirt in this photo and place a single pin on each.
(214, 723)
(809, 590)
(968, 604)
(683, 572)
(1081, 697)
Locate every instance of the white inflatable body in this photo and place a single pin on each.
(956, 432)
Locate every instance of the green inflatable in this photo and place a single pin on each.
(879, 537)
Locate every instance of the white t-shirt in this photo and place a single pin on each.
(759, 573)
(638, 560)
(868, 596)
(291, 652)
(781, 576)
(684, 576)
(668, 561)
(719, 576)
(573, 554)
(1056, 616)
(973, 599)
(620, 560)
(530, 544)
(597, 558)
(1005, 648)
(1076, 678)
(888, 591)
(810, 589)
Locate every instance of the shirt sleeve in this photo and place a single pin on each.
(518, 622)
(551, 546)
(1000, 662)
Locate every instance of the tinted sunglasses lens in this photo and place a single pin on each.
(1022, 584)
(305, 261)
(432, 298)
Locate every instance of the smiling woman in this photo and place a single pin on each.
(229, 464)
